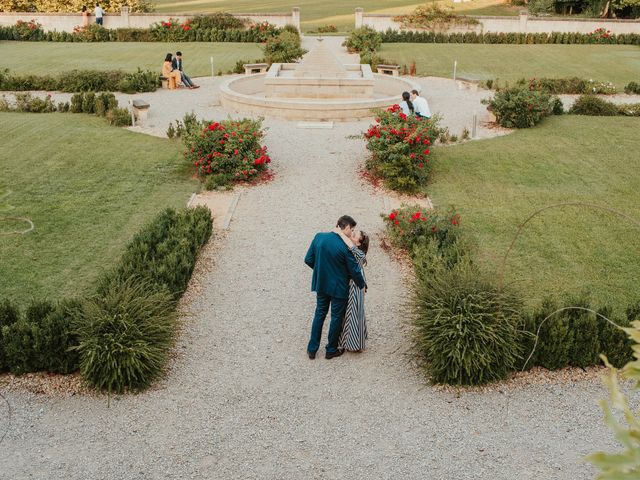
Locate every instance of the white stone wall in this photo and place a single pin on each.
(65, 22)
(518, 24)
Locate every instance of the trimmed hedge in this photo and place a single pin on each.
(40, 338)
(575, 336)
(592, 105)
(119, 336)
(397, 36)
(83, 81)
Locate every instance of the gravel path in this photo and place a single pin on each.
(242, 400)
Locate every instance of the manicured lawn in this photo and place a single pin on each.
(88, 188)
(340, 13)
(496, 184)
(51, 57)
(619, 64)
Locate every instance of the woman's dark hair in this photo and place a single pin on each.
(168, 58)
(406, 96)
(364, 242)
(84, 8)
(345, 220)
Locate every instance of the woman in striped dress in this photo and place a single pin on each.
(354, 327)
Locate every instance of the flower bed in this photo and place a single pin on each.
(400, 149)
(217, 28)
(226, 152)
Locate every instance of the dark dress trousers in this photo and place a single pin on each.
(333, 265)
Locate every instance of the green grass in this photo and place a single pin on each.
(619, 64)
(88, 188)
(40, 58)
(496, 184)
(337, 12)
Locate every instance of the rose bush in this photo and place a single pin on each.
(400, 149)
(229, 151)
(412, 225)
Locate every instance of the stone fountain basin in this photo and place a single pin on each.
(248, 95)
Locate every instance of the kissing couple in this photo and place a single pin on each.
(337, 259)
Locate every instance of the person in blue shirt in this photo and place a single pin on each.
(333, 266)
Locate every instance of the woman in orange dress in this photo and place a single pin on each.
(168, 72)
(85, 16)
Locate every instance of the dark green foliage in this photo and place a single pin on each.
(633, 312)
(38, 310)
(220, 21)
(40, 339)
(164, 252)
(363, 39)
(82, 81)
(592, 105)
(9, 315)
(614, 342)
(104, 102)
(139, 81)
(585, 346)
(89, 103)
(77, 100)
(520, 107)
(119, 117)
(554, 336)
(466, 331)
(124, 335)
(396, 36)
(19, 340)
(632, 87)
(285, 48)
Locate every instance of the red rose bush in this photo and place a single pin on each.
(227, 151)
(400, 149)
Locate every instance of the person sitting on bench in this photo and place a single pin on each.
(177, 65)
(172, 75)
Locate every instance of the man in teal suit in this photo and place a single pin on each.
(333, 265)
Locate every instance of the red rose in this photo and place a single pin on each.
(393, 215)
(396, 222)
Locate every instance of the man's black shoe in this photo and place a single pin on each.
(331, 355)
(312, 355)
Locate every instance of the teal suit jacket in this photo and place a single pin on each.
(333, 265)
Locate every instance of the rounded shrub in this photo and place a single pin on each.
(520, 107)
(124, 335)
(466, 330)
(592, 105)
(363, 39)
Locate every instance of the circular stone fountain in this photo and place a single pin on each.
(319, 88)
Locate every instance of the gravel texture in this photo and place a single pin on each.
(241, 399)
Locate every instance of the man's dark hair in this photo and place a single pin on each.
(178, 54)
(415, 92)
(345, 220)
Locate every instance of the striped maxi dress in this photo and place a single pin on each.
(354, 328)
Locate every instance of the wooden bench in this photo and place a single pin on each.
(140, 109)
(253, 68)
(389, 70)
